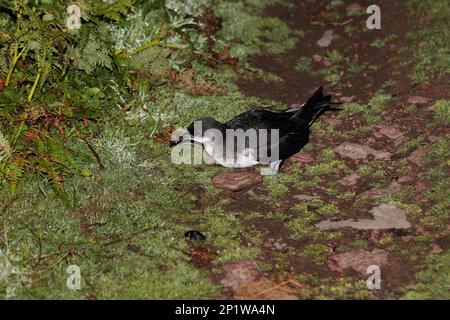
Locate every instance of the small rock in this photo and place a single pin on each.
(421, 230)
(358, 260)
(317, 58)
(436, 249)
(377, 193)
(418, 100)
(237, 181)
(295, 106)
(304, 197)
(406, 238)
(279, 246)
(326, 63)
(240, 273)
(194, 235)
(347, 99)
(420, 186)
(349, 180)
(333, 121)
(302, 156)
(355, 9)
(416, 156)
(434, 138)
(388, 131)
(405, 179)
(386, 216)
(356, 151)
(326, 39)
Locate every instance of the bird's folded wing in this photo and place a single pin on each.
(288, 145)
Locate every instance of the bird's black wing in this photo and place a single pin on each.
(261, 118)
(287, 145)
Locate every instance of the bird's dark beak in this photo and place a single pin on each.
(173, 143)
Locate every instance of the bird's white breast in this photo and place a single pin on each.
(239, 159)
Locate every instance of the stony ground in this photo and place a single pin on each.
(371, 188)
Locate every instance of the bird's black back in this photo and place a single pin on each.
(263, 118)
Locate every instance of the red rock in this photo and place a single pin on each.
(406, 238)
(420, 186)
(421, 230)
(347, 99)
(240, 273)
(246, 282)
(434, 138)
(419, 198)
(356, 151)
(326, 39)
(333, 121)
(418, 100)
(416, 156)
(404, 179)
(358, 260)
(317, 58)
(349, 180)
(303, 157)
(436, 249)
(355, 8)
(377, 193)
(304, 197)
(237, 181)
(391, 132)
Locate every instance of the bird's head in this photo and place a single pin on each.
(198, 131)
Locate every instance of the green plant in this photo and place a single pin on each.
(442, 111)
(303, 65)
(60, 81)
(49, 97)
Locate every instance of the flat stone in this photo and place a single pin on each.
(418, 100)
(302, 156)
(240, 273)
(347, 99)
(349, 180)
(246, 282)
(436, 249)
(421, 186)
(405, 179)
(355, 8)
(237, 181)
(333, 121)
(356, 151)
(326, 39)
(304, 197)
(391, 132)
(377, 193)
(317, 58)
(358, 260)
(386, 216)
(416, 156)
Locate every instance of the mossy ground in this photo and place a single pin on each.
(125, 226)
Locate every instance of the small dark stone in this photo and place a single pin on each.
(195, 235)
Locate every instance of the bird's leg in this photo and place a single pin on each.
(272, 169)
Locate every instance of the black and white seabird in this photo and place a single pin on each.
(279, 134)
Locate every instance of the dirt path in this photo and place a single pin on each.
(353, 42)
(389, 114)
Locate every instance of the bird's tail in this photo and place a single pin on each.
(316, 105)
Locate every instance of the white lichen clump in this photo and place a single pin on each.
(117, 150)
(12, 276)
